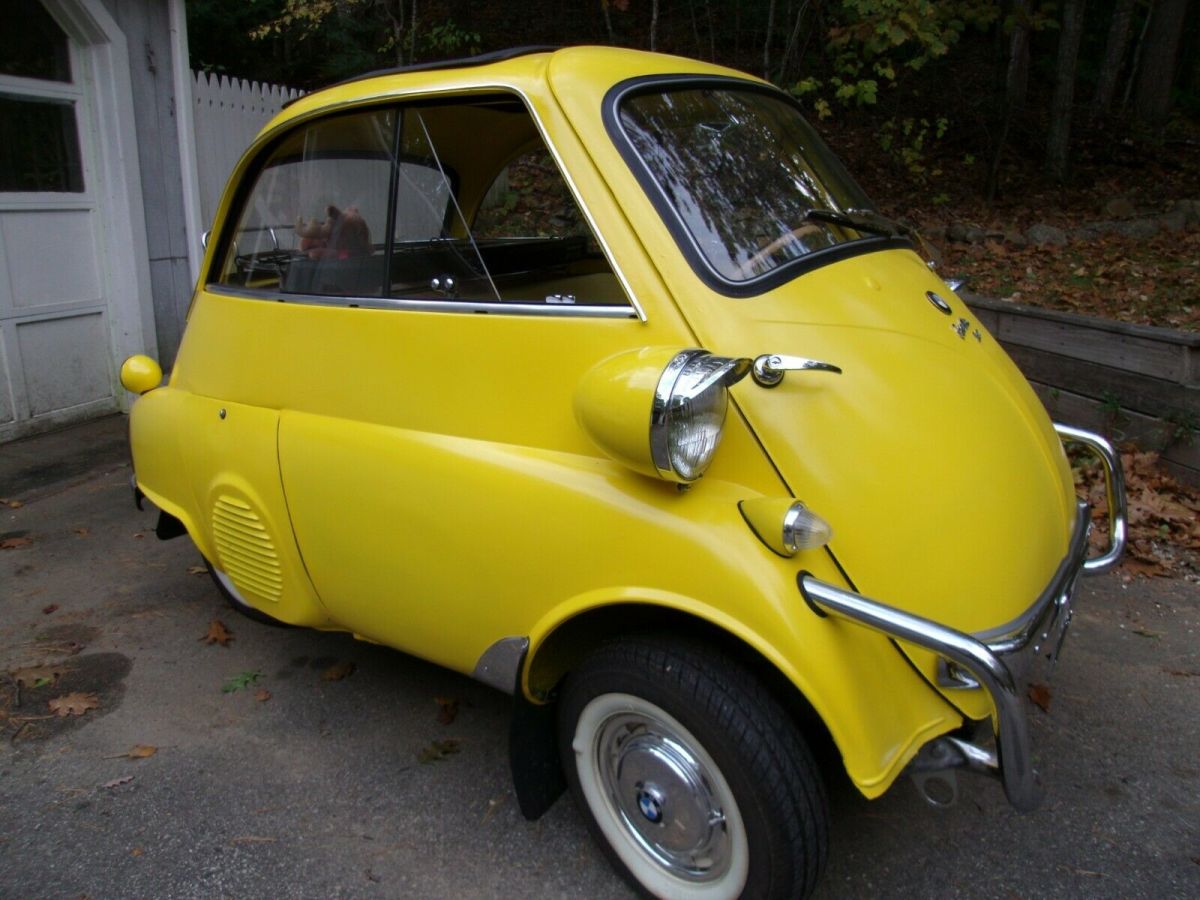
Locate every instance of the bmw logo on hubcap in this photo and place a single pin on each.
(650, 806)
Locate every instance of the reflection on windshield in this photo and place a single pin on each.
(742, 169)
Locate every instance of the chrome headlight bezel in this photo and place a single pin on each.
(693, 387)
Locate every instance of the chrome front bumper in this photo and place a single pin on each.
(1001, 660)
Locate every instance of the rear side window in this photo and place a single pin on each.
(402, 206)
(316, 219)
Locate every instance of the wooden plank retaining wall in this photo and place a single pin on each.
(1130, 382)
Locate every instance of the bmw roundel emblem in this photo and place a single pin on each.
(650, 806)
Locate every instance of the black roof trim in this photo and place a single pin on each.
(462, 62)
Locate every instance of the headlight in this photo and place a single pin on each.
(689, 412)
(686, 395)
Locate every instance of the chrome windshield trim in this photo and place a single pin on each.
(1011, 726)
(1114, 485)
(551, 310)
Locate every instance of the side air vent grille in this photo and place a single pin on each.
(245, 550)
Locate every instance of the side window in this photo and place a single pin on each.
(315, 220)
(428, 203)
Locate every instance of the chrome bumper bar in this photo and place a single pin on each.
(1114, 484)
(997, 661)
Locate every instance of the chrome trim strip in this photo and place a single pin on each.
(1013, 744)
(1114, 485)
(500, 663)
(553, 310)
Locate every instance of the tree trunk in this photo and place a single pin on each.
(791, 44)
(412, 35)
(767, 42)
(1059, 136)
(612, 38)
(1114, 56)
(1152, 98)
(1016, 86)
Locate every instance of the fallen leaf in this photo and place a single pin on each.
(448, 709)
(83, 532)
(197, 570)
(1146, 633)
(241, 681)
(137, 851)
(262, 695)
(13, 504)
(1040, 695)
(217, 633)
(438, 750)
(73, 704)
(14, 542)
(142, 751)
(338, 671)
(46, 610)
(117, 782)
(38, 676)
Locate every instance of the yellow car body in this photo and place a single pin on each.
(471, 480)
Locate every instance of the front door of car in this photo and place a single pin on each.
(425, 368)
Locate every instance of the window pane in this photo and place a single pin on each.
(316, 218)
(740, 170)
(490, 221)
(39, 145)
(31, 43)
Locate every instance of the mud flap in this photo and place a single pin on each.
(533, 755)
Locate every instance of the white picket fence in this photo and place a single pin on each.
(228, 113)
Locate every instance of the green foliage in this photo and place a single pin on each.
(874, 42)
(449, 40)
(240, 682)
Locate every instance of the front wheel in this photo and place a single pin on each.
(691, 776)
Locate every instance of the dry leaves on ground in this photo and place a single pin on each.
(13, 543)
(262, 695)
(217, 634)
(1040, 694)
(1164, 515)
(73, 704)
(38, 676)
(139, 751)
(12, 504)
(338, 671)
(447, 709)
(438, 750)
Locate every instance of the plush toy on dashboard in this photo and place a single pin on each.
(343, 234)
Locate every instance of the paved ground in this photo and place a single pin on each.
(319, 792)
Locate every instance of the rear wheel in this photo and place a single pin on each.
(690, 774)
(234, 601)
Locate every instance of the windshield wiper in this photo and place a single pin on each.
(860, 220)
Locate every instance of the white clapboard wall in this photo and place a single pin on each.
(229, 112)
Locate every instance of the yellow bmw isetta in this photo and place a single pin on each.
(592, 373)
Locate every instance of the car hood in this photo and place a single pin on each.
(946, 486)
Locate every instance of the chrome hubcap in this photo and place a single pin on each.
(664, 796)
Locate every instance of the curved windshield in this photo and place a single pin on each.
(750, 183)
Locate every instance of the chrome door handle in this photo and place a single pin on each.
(768, 369)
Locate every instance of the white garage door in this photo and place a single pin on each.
(56, 346)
